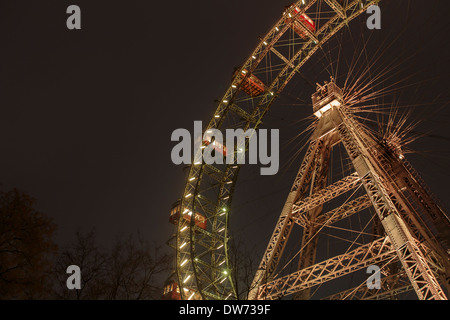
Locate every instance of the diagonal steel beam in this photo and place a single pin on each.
(339, 213)
(359, 258)
(390, 286)
(326, 194)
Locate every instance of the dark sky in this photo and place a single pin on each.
(86, 115)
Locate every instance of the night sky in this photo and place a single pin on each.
(86, 115)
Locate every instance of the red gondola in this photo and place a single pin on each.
(251, 85)
(301, 21)
(175, 212)
(172, 292)
(219, 147)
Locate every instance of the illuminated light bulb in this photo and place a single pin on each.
(187, 278)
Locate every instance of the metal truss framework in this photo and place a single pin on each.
(391, 287)
(391, 189)
(376, 252)
(202, 260)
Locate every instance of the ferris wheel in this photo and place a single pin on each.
(201, 216)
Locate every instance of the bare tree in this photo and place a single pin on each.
(129, 271)
(134, 270)
(26, 247)
(244, 264)
(93, 263)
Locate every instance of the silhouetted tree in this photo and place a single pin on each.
(129, 271)
(26, 247)
(135, 265)
(244, 263)
(83, 252)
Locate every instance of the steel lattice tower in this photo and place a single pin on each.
(413, 230)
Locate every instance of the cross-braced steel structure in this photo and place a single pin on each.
(203, 268)
(408, 224)
(411, 241)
